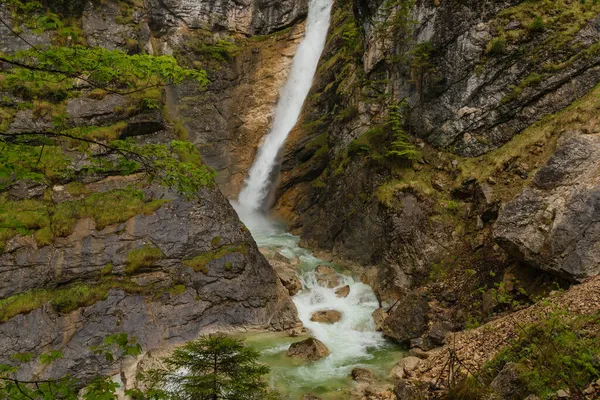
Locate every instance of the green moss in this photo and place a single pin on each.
(216, 241)
(497, 46)
(47, 220)
(228, 266)
(65, 299)
(200, 262)
(107, 270)
(177, 290)
(141, 258)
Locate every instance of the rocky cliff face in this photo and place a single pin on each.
(552, 223)
(466, 85)
(248, 17)
(103, 254)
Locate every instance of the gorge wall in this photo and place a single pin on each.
(425, 119)
(88, 254)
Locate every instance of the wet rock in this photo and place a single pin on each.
(344, 291)
(326, 316)
(327, 276)
(552, 225)
(310, 349)
(286, 272)
(363, 375)
(408, 319)
(417, 352)
(508, 384)
(298, 331)
(379, 317)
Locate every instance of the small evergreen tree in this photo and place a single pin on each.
(211, 368)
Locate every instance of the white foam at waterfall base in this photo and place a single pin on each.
(352, 341)
(288, 110)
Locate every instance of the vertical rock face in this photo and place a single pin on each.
(554, 225)
(229, 119)
(204, 273)
(242, 16)
(178, 270)
(471, 77)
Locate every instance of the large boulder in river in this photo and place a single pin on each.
(310, 349)
(326, 316)
(327, 276)
(553, 224)
(286, 272)
(408, 319)
(379, 317)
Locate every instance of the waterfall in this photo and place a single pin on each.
(292, 97)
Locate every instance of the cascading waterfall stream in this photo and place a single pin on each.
(353, 340)
(288, 110)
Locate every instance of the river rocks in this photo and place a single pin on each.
(310, 349)
(327, 276)
(552, 225)
(363, 375)
(405, 367)
(344, 291)
(286, 272)
(408, 319)
(326, 316)
(379, 317)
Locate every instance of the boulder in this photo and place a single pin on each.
(326, 316)
(363, 375)
(405, 390)
(408, 319)
(552, 225)
(285, 271)
(379, 317)
(344, 291)
(405, 367)
(508, 384)
(310, 349)
(327, 276)
(437, 334)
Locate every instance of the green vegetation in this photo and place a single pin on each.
(497, 46)
(144, 257)
(42, 79)
(220, 368)
(114, 347)
(46, 220)
(560, 352)
(200, 262)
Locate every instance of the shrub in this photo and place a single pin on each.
(537, 25)
(497, 46)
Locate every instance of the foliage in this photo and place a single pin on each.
(560, 352)
(46, 220)
(114, 347)
(43, 77)
(401, 147)
(497, 46)
(217, 367)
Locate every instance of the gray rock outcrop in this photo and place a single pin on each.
(554, 224)
(167, 301)
(241, 16)
(408, 319)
